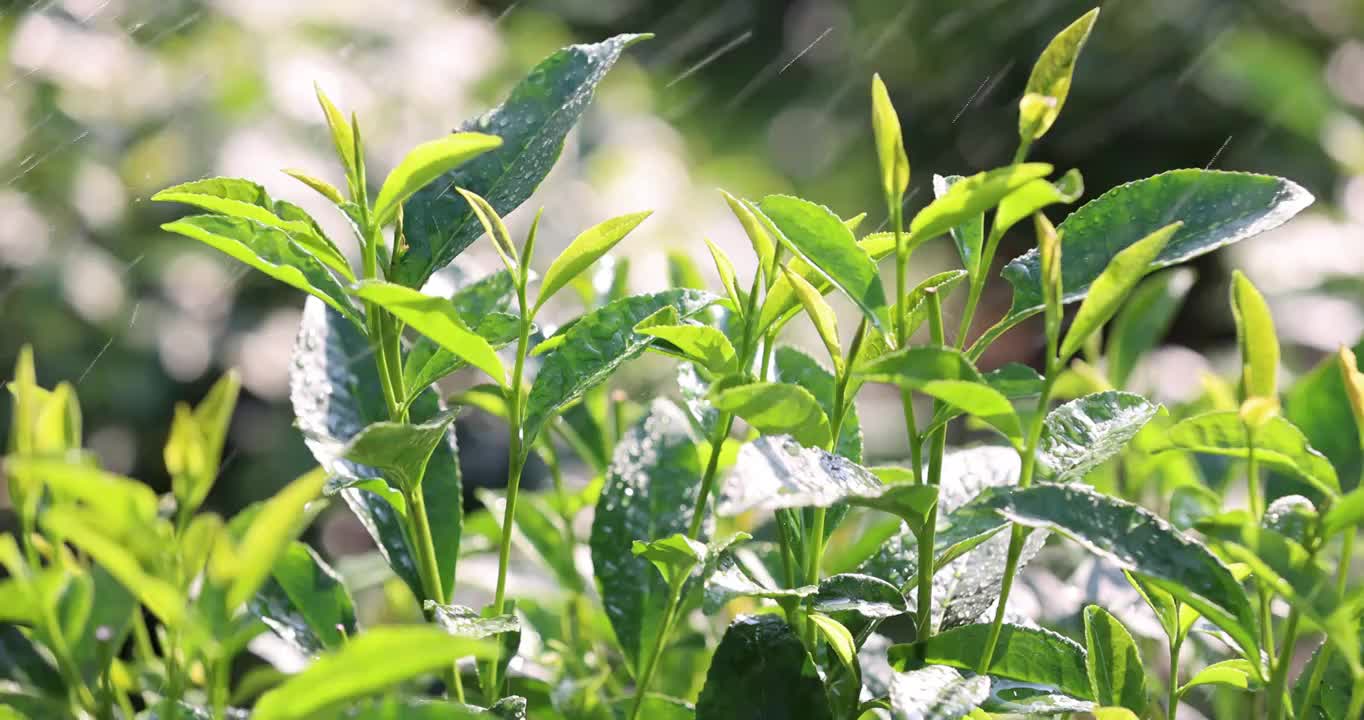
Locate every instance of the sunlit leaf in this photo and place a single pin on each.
(423, 164)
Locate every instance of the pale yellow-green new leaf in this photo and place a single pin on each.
(318, 185)
(890, 144)
(821, 315)
(700, 343)
(342, 136)
(423, 164)
(376, 660)
(1108, 291)
(725, 268)
(840, 640)
(583, 251)
(278, 523)
(764, 247)
(496, 229)
(1049, 83)
(1354, 388)
(1049, 247)
(438, 319)
(1256, 338)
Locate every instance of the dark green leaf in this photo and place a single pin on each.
(305, 602)
(466, 622)
(1026, 654)
(532, 123)
(818, 237)
(400, 450)
(1218, 208)
(777, 409)
(1319, 405)
(776, 472)
(795, 367)
(761, 670)
(269, 250)
(1144, 319)
(22, 663)
(650, 492)
(1113, 662)
(936, 692)
(1084, 433)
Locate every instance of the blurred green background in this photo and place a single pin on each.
(104, 102)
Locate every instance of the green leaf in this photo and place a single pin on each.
(764, 247)
(969, 236)
(335, 391)
(594, 346)
(946, 374)
(1136, 540)
(244, 199)
(320, 186)
(270, 250)
(532, 122)
(1346, 513)
(777, 409)
(1081, 435)
(971, 196)
(675, 556)
(701, 344)
(84, 530)
(1236, 673)
(650, 492)
(1281, 564)
(305, 602)
(400, 450)
(465, 622)
(270, 533)
(1109, 291)
(583, 251)
(917, 301)
(342, 136)
(1218, 208)
(437, 319)
(130, 506)
(761, 670)
(682, 271)
(1144, 319)
(428, 362)
(820, 314)
(425, 163)
(839, 639)
(1113, 662)
(1026, 654)
(1277, 443)
(369, 663)
(724, 267)
(24, 664)
(1031, 197)
(795, 367)
(936, 692)
(858, 602)
(1049, 83)
(729, 576)
(775, 472)
(1257, 339)
(1318, 403)
(890, 146)
(818, 237)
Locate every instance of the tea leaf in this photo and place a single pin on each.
(320, 186)
(1218, 208)
(1256, 337)
(244, 199)
(819, 238)
(1026, 654)
(1236, 673)
(838, 637)
(910, 502)
(1136, 540)
(650, 492)
(781, 302)
(532, 124)
(583, 251)
(729, 577)
(1049, 83)
(128, 505)
(423, 164)
(594, 346)
(437, 319)
(777, 409)
(342, 137)
(946, 374)
(373, 661)
(270, 250)
(278, 523)
(820, 314)
(761, 669)
(1348, 512)
(1081, 435)
(1113, 662)
(1280, 563)
(764, 247)
(305, 602)
(1031, 197)
(401, 450)
(495, 229)
(890, 146)
(969, 236)
(971, 196)
(917, 302)
(936, 692)
(23, 663)
(428, 362)
(675, 556)
(1144, 319)
(1278, 443)
(724, 267)
(335, 391)
(795, 367)
(775, 472)
(701, 344)
(466, 622)
(682, 271)
(857, 602)
(1110, 289)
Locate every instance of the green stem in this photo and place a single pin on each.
(1172, 701)
(977, 289)
(1324, 657)
(221, 672)
(1279, 679)
(937, 448)
(1257, 509)
(646, 674)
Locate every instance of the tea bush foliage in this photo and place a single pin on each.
(747, 561)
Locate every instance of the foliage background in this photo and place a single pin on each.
(102, 102)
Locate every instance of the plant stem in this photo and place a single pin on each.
(218, 691)
(1279, 679)
(1257, 509)
(1172, 702)
(1018, 534)
(646, 674)
(1324, 657)
(937, 448)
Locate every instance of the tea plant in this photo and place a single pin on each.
(745, 490)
